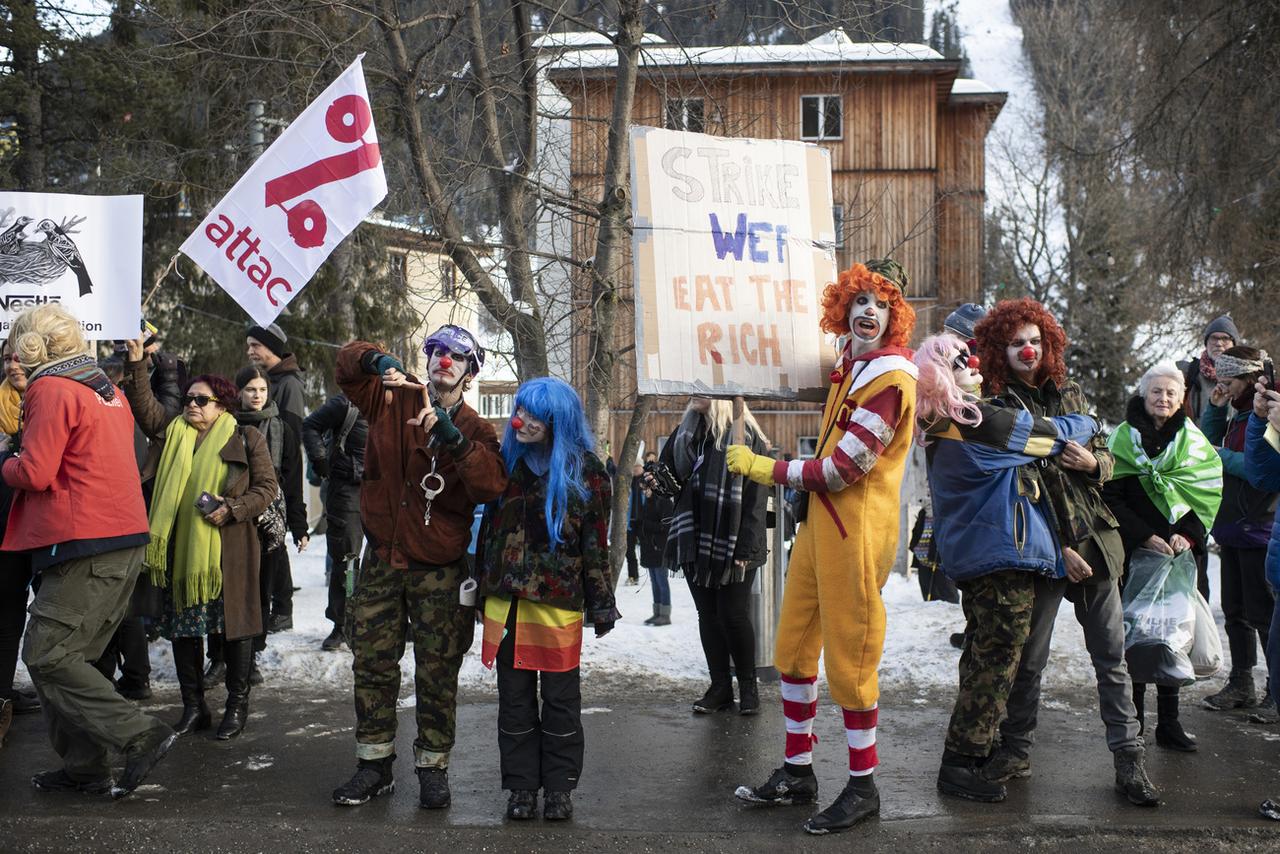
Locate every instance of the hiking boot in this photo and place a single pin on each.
(967, 781)
(718, 698)
(1169, 732)
(1006, 764)
(334, 642)
(850, 807)
(522, 804)
(141, 757)
(433, 788)
(1265, 712)
(61, 781)
(372, 779)
(279, 623)
(557, 806)
(1238, 693)
(1131, 778)
(782, 789)
(748, 697)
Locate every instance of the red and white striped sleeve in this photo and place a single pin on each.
(871, 429)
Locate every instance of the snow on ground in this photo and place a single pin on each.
(918, 658)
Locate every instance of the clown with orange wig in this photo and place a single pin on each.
(844, 550)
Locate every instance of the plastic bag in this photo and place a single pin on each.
(1160, 617)
(1206, 648)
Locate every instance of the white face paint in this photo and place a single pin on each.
(446, 370)
(868, 320)
(964, 367)
(531, 431)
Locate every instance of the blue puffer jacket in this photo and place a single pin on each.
(982, 524)
(1262, 463)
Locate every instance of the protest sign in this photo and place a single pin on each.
(84, 252)
(733, 243)
(263, 242)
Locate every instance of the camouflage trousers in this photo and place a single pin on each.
(997, 610)
(386, 608)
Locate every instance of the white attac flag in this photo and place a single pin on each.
(263, 242)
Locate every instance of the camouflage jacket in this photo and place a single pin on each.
(514, 555)
(1076, 498)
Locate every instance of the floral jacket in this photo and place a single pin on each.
(514, 555)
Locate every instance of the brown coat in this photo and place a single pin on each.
(251, 485)
(397, 458)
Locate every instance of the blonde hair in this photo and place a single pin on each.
(719, 420)
(45, 334)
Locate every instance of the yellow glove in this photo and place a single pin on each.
(756, 467)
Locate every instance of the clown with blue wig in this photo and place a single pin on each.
(543, 564)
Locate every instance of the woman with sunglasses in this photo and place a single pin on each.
(213, 481)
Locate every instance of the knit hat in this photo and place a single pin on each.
(272, 337)
(1222, 324)
(891, 270)
(1228, 367)
(963, 319)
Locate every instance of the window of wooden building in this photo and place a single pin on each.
(686, 114)
(821, 117)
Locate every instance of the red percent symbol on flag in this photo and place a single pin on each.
(347, 119)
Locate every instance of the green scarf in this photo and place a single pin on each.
(1187, 476)
(184, 472)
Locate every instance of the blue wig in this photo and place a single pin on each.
(555, 403)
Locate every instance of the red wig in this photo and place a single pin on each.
(995, 333)
(838, 296)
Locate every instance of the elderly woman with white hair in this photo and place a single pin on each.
(1165, 492)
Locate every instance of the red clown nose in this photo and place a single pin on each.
(1027, 353)
(973, 363)
(445, 363)
(516, 422)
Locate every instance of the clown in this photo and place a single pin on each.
(844, 550)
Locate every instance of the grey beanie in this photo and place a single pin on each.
(964, 319)
(1222, 324)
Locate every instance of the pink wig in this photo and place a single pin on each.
(937, 395)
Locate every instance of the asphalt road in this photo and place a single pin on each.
(657, 779)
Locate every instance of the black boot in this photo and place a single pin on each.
(557, 806)
(1131, 778)
(142, 755)
(1238, 693)
(718, 697)
(372, 778)
(962, 777)
(187, 658)
(433, 788)
(239, 656)
(748, 696)
(522, 804)
(1169, 732)
(859, 800)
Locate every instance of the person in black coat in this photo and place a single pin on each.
(334, 437)
(1157, 416)
(653, 518)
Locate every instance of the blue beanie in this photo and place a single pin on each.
(963, 319)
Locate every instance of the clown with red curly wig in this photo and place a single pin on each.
(844, 550)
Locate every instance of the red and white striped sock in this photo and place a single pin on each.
(799, 707)
(860, 726)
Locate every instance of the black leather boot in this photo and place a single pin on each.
(188, 656)
(239, 656)
(1169, 732)
(718, 698)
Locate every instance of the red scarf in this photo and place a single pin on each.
(1207, 370)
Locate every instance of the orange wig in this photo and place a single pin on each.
(995, 332)
(838, 296)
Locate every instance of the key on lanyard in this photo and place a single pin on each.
(432, 485)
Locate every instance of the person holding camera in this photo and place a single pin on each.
(213, 480)
(80, 517)
(656, 510)
(334, 436)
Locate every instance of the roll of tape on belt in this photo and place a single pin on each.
(467, 592)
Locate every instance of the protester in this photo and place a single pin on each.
(334, 436)
(15, 567)
(1022, 347)
(846, 547)
(258, 411)
(430, 460)
(204, 550)
(973, 450)
(1242, 530)
(656, 512)
(266, 347)
(76, 427)
(963, 320)
(555, 510)
(633, 524)
(1199, 375)
(1165, 491)
(1262, 462)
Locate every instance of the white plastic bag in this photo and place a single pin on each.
(1206, 646)
(1160, 617)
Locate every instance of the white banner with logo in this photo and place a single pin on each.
(267, 237)
(84, 252)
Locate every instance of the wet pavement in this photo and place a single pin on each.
(657, 779)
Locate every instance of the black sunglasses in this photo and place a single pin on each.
(200, 400)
